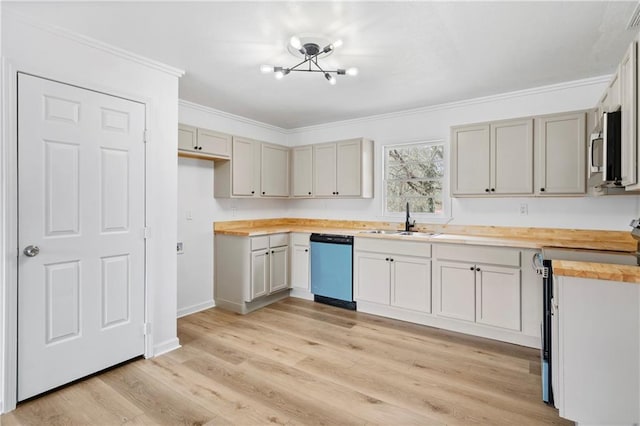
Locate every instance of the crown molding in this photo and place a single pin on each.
(222, 114)
(457, 104)
(93, 43)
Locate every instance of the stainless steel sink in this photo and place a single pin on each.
(379, 231)
(417, 234)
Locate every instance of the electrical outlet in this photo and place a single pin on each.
(189, 215)
(524, 209)
(233, 211)
(180, 248)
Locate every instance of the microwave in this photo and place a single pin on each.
(605, 160)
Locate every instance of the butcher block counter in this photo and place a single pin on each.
(518, 237)
(598, 271)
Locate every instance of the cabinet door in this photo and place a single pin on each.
(187, 137)
(511, 160)
(498, 297)
(562, 148)
(302, 176)
(456, 288)
(274, 171)
(259, 273)
(279, 265)
(470, 172)
(628, 96)
(244, 168)
(411, 283)
(214, 143)
(300, 267)
(348, 168)
(373, 277)
(324, 170)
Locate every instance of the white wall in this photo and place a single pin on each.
(433, 123)
(72, 59)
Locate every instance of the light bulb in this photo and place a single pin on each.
(337, 44)
(278, 75)
(352, 71)
(330, 78)
(265, 69)
(295, 43)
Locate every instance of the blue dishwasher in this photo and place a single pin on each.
(332, 270)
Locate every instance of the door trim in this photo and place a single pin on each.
(9, 249)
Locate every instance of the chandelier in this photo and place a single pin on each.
(310, 51)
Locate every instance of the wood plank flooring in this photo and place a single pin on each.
(299, 362)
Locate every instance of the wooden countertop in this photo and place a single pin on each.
(598, 271)
(533, 238)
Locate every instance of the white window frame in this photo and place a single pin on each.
(443, 217)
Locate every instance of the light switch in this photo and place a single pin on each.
(189, 215)
(180, 248)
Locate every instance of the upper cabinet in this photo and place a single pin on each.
(343, 169)
(203, 143)
(561, 154)
(302, 171)
(256, 169)
(493, 159)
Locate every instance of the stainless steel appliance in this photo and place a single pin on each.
(332, 270)
(605, 161)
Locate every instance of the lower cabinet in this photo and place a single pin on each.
(393, 273)
(596, 356)
(479, 284)
(300, 272)
(250, 272)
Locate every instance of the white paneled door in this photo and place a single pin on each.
(81, 199)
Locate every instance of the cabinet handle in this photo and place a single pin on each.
(486, 190)
(272, 251)
(387, 259)
(267, 253)
(309, 192)
(472, 268)
(200, 148)
(306, 250)
(391, 260)
(477, 269)
(337, 193)
(493, 190)
(253, 192)
(541, 189)
(263, 192)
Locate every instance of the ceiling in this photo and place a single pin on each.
(410, 54)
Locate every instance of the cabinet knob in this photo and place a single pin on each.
(253, 192)
(493, 190)
(263, 192)
(387, 259)
(200, 148)
(486, 190)
(391, 260)
(309, 192)
(337, 193)
(472, 268)
(267, 253)
(477, 269)
(541, 189)
(306, 250)
(272, 251)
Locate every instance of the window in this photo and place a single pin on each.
(415, 173)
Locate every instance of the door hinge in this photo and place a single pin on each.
(146, 328)
(146, 232)
(145, 136)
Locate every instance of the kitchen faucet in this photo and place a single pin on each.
(408, 223)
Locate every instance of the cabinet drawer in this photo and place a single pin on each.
(259, 243)
(300, 238)
(476, 254)
(407, 248)
(278, 240)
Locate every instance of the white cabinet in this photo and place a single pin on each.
(203, 143)
(597, 372)
(250, 272)
(479, 284)
(343, 169)
(256, 169)
(561, 154)
(274, 170)
(493, 159)
(393, 273)
(628, 71)
(302, 173)
(300, 271)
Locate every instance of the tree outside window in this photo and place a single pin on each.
(414, 173)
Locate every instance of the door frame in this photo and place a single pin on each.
(9, 249)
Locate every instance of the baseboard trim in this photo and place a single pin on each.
(195, 308)
(301, 294)
(167, 346)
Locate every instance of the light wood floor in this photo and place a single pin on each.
(299, 362)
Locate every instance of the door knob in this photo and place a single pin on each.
(31, 251)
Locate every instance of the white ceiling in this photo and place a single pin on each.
(410, 54)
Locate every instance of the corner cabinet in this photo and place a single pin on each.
(250, 272)
(203, 143)
(343, 169)
(493, 159)
(256, 169)
(561, 154)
